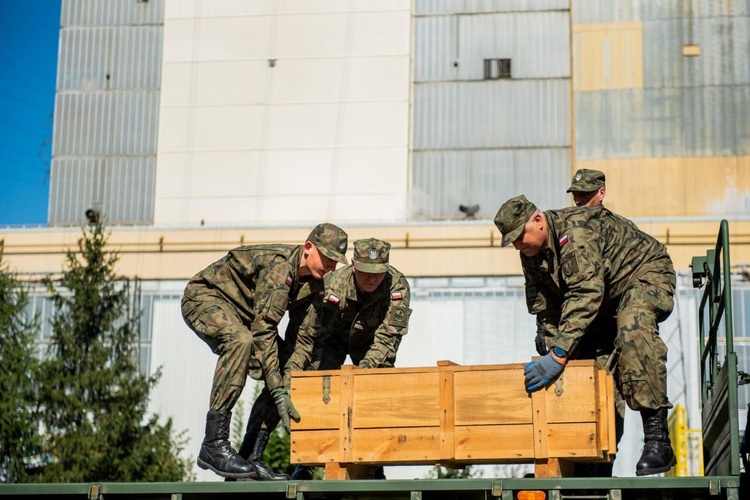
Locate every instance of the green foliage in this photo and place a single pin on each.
(94, 399)
(277, 452)
(19, 417)
(438, 472)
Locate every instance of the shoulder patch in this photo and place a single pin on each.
(288, 281)
(321, 294)
(333, 299)
(396, 296)
(564, 240)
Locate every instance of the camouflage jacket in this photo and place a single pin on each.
(592, 257)
(367, 327)
(261, 283)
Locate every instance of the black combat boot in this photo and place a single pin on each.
(303, 473)
(657, 451)
(253, 446)
(216, 454)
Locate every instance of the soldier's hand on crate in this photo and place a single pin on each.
(540, 372)
(541, 342)
(285, 407)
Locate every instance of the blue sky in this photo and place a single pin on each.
(29, 32)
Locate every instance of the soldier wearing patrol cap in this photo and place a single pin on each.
(364, 314)
(235, 305)
(584, 265)
(588, 188)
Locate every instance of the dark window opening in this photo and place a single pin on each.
(496, 69)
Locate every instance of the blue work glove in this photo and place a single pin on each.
(540, 372)
(541, 342)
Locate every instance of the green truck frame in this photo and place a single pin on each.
(724, 454)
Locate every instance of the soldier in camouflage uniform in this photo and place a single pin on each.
(588, 188)
(235, 305)
(587, 264)
(364, 314)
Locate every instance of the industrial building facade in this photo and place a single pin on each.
(197, 126)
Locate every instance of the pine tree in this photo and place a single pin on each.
(93, 396)
(19, 418)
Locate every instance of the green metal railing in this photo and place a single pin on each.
(718, 380)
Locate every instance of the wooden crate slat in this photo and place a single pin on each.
(480, 442)
(412, 444)
(414, 402)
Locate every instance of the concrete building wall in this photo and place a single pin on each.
(284, 112)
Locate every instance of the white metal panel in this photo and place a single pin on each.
(111, 12)
(497, 113)
(187, 364)
(443, 180)
(122, 188)
(223, 8)
(436, 48)
(103, 123)
(426, 7)
(111, 58)
(455, 47)
(434, 333)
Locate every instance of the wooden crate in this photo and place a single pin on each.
(451, 415)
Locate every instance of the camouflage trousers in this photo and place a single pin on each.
(642, 364)
(219, 325)
(631, 332)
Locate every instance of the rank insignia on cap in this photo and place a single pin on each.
(396, 296)
(578, 176)
(288, 281)
(342, 246)
(373, 254)
(333, 298)
(563, 240)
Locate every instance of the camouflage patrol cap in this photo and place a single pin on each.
(586, 180)
(331, 241)
(371, 255)
(512, 217)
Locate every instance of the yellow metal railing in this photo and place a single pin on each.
(687, 445)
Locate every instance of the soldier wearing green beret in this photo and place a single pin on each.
(588, 188)
(364, 314)
(585, 265)
(235, 305)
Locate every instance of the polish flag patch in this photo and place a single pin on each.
(563, 240)
(288, 281)
(396, 296)
(333, 298)
(322, 294)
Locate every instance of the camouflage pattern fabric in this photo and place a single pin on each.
(602, 284)
(367, 327)
(235, 305)
(586, 180)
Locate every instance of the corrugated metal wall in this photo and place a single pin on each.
(690, 102)
(483, 141)
(107, 111)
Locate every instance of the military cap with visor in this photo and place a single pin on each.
(331, 241)
(371, 255)
(512, 217)
(586, 180)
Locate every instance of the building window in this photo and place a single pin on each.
(496, 69)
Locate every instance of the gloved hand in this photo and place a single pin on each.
(285, 407)
(541, 371)
(541, 343)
